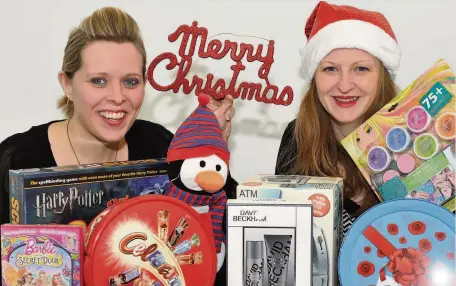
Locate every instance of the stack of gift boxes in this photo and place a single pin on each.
(290, 226)
(285, 230)
(51, 208)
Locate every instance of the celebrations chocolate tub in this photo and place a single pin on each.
(150, 240)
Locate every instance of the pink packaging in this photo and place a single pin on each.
(42, 255)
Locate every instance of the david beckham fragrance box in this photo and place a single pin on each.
(269, 242)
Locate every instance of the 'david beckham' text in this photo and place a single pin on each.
(217, 50)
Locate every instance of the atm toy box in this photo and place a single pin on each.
(77, 194)
(325, 195)
(407, 149)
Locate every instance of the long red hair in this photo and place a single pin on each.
(319, 151)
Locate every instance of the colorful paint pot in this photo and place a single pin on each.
(445, 126)
(426, 146)
(388, 175)
(418, 120)
(378, 159)
(406, 163)
(398, 139)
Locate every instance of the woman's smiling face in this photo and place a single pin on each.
(108, 89)
(347, 81)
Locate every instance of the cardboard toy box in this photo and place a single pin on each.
(269, 242)
(407, 149)
(76, 194)
(325, 194)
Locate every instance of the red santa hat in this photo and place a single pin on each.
(332, 27)
(200, 135)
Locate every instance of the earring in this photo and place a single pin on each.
(68, 101)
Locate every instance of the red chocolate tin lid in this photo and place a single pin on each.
(153, 239)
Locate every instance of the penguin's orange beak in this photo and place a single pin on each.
(210, 181)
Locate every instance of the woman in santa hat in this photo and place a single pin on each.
(349, 62)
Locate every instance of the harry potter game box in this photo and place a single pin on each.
(77, 194)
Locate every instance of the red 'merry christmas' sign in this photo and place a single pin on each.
(215, 49)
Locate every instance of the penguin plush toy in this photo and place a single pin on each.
(198, 160)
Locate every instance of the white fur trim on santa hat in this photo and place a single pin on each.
(350, 34)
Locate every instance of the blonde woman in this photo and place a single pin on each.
(103, 79)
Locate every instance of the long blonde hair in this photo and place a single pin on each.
(319, 151)
(105, 24)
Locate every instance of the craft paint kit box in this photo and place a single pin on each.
(407, 149)
(325, 194)
(42, 255)
(270, 242)
(76, 194)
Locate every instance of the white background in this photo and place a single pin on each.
(34, 33)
